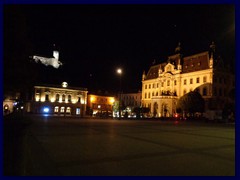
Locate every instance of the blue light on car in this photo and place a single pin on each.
(45, 109)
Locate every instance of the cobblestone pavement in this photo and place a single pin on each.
(67, 146)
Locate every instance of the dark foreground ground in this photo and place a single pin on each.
(68, 146)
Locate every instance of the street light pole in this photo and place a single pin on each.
(119, 72)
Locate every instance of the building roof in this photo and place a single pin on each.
(191, 63)
(59, 86)
(153, 72)
(196, 62)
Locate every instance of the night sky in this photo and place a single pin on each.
(94, 40)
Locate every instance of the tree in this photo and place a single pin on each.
(191, 102)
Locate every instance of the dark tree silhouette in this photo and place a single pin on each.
(191, 102)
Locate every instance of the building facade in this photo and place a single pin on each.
(132, 99)
(204, 72)
(58, 100)
(129, 101)
(11, 103)
(100, 105)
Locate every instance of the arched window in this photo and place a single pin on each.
(57, 97)
(69, 98)
(204, 91)
(63, 98)
(46, 97)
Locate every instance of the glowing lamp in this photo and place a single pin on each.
(112, 100)
(119, 71)
(46, 110)
(64, 84)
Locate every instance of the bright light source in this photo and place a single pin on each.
(46, 109)
(92, 99)
(119, 71)
(112, 100)
(64, 84)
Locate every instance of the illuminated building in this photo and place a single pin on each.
(204, 72)
(131, 100)
(11, 103)
(100, 105)
(59, 100)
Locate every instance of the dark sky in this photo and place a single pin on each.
(94, 40)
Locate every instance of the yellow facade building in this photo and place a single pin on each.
(166, 82)
(99, 105)
(58, 100)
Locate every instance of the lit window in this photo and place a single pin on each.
(77, 111)
(56, 109)
(62, 109)
(68, 110)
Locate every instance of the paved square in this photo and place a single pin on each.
(108, 147)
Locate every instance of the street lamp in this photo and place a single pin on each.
(119, 72)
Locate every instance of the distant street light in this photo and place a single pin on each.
(119, 72)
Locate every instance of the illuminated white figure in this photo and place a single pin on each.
(49, 61)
